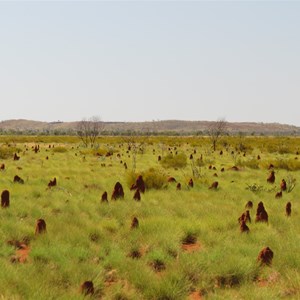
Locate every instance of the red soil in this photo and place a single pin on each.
(195, 296)
(191, 247)
(22, 253)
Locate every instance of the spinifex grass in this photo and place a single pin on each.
(90, 240)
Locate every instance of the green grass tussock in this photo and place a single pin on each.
(174, 161)
(8, 151)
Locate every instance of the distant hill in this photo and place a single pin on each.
(167, 126)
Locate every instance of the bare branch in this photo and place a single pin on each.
(216, 130)
(89, 130)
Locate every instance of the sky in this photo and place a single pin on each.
(150, 60)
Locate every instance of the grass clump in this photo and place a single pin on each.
(174, 161)
(189, 238)
(157, 260)
(171, 287)
(131, 178)
(289, 164)
(8, 151)
(252, 163)
(59, 149)
(188, 241)
(153, 178)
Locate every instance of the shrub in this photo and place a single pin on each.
(282, 149)
(281, 146)
(288, 164)
(200, 162)
(104, 152)
(252, 163)
(59, 149)
(255, 188)
(131, 178)
(153, 178)
(291, 183)
(93, 151)
(174, 161)
(8, 152)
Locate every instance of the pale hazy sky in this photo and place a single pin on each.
(156, 60)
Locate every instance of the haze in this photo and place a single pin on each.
(143, 61)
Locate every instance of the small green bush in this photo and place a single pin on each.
(284, 149)
(131, 178)
(290, 182)
(59, 149)
(200, 162)
(255, 188)
(8, 152)
(153, 178)
(97, 151)
(157, 260)
(281, 146)
(252, 163)
(101, 152)
(174, 161)
(289, 164)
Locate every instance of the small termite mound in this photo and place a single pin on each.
(271, 177)
(245, 217)
(139, 184)
(214, 185)
(265, 256)
(283, 185)
(261, 213)
(18, 179)
(104, 197)
(118, 191)
(87, 288)
(52, 182)
(137, 195)
(5, 199)
(249, 205)
(244, 227)
(288, 209)
(134, 223)
(40, 226)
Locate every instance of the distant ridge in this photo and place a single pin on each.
(166, 126)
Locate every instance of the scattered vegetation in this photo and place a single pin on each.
(7, 151)
(174, 161)
(183, 243)
(154, 178)
(59, 149)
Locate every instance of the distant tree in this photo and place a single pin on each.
(89, 129)
(136, 144)
(216, 130)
